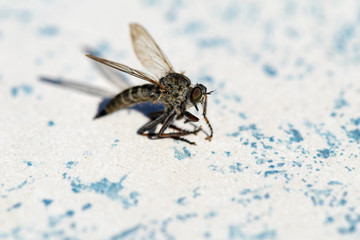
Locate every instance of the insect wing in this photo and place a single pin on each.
(148, 52)
(126, 69)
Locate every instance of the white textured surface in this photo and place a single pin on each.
(284, 161)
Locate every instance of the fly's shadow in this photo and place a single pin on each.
(115, 78)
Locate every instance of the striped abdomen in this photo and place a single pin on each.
(131, 96)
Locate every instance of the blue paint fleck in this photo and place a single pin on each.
(257, 197)
(54, 220)
(318, 196)
(70, 213)
(236, 168)
(71, 164)
(324, 153)
(206, 78)
(86, 206)
(296, 136)
(109, 189)
(330, 138)
(334, 183)
(354, 134)
(270, 70)
(260, 161)
(266, 146)
(48, 31)
(245, 191)
(17, 205)
(14, 91)
(297, 164)
(182, 155)
(210, 214)
(29, 163)
(103, 47)
(236, 232)
(172, 14)
(273, 172)
(207, 235)
(343, 37)
(227, 153)
(352, 221)
(196, 192)
(151, 2)
(341, 102)
(185, 217)
(329, 220)
(181, 201)
(17, 187)
(355, 121)
(128, 234)
(194, 27)
(242, 115)
(231, 11)
(47, 202)
(164, 230)
(213, 42)
(51, 123)
(25, 88)
(116, 141)
(291, 32)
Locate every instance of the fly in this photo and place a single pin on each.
(172, 89)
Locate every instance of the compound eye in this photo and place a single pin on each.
(196, 94)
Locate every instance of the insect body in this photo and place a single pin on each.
(172, 89)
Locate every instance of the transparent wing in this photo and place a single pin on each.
(148, 52)
(126, 69)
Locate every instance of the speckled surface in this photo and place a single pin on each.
(283, 164)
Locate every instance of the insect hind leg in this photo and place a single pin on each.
(176, 136)
(152, 124)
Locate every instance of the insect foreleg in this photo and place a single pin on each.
(190, 117)
(207, 120)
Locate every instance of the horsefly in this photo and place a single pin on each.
(174, 90)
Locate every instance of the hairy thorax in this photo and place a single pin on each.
(178, 87)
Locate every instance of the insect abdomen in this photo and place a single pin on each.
(129, 97)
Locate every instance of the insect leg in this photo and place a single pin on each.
(207, 120)
(155, 115)
(176, 136)
(184, 132)
(152, 124)
(190, 117)
(168, 121)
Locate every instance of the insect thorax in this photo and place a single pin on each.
(178, 87)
